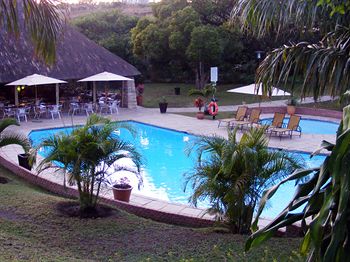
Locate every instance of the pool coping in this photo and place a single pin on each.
(164, 215)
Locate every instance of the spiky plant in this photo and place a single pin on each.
(326, 196)
(86, 155)
(323, 65)
(10, 138)
(232, 174)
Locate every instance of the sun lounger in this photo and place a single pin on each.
(240, 115)
(293, 126)
(276, 122)
(253, 119)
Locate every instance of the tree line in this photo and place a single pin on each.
(181, 40)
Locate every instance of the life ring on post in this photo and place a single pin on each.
(213, 108)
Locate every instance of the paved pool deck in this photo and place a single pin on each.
(306, 143)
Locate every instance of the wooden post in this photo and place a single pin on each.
(16, 96)
(57, 94)
(94, 95)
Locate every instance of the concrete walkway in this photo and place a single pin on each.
(307, 143)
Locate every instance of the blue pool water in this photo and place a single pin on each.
(312, 126)
(166, 162)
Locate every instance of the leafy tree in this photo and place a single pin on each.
(86, 155)
(322, 65)
(111, 30)
(233, 174)
(41, 19)
(213, 12)
(326, 215)
(204, 50)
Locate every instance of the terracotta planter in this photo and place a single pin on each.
(122, 193)
(139, 100)
(291, 109)
(200, 115)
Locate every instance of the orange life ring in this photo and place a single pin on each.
(214, 111)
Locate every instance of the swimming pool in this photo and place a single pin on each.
(166, 162)
(312, 126)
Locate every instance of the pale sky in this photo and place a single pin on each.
(77, 1)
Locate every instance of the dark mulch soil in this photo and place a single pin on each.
(4, 180)
(72, 209)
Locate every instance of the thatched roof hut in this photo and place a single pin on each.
(77, 57)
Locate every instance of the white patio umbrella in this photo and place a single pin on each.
(103, 77)
(35, 80)
(254, 89)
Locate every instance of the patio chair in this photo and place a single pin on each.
(292, 126)
(9, 112)
(114, 107)
(89, 109)
(21, 113)
(39, 110)
(253, 119)
(73, 108)
(103, 107)
(55, 110)
(240, 115)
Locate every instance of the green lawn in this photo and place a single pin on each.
(32, 229)
(333, 105)
(155, 91)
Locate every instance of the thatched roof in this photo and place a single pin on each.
(77, 57)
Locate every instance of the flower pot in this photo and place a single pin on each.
(139, 100)
(23, 161)
(200, 115)
(163, 107)
(291, 109)
(122, 192)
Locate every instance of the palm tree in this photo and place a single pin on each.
(42, 19)
(10, 138)
(232, 175)
(86, 155)
(323, 65)
(326, 197)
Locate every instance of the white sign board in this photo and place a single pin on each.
(213, 74)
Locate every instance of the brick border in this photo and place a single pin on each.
(58, 189)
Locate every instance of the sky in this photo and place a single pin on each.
(77, 1)
(95, 1)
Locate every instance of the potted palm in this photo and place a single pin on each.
(88, 154)
(122, 190)
(163, 105)
(291, 106)
(139, 94)
(198, 102)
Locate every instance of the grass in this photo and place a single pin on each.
(32, 229)
(333, 105)
(155, 91)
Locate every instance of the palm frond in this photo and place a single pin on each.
(10, 138)
(324, 66)
(265, 16)
(42, 19)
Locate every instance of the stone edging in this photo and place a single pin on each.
(156, 215)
